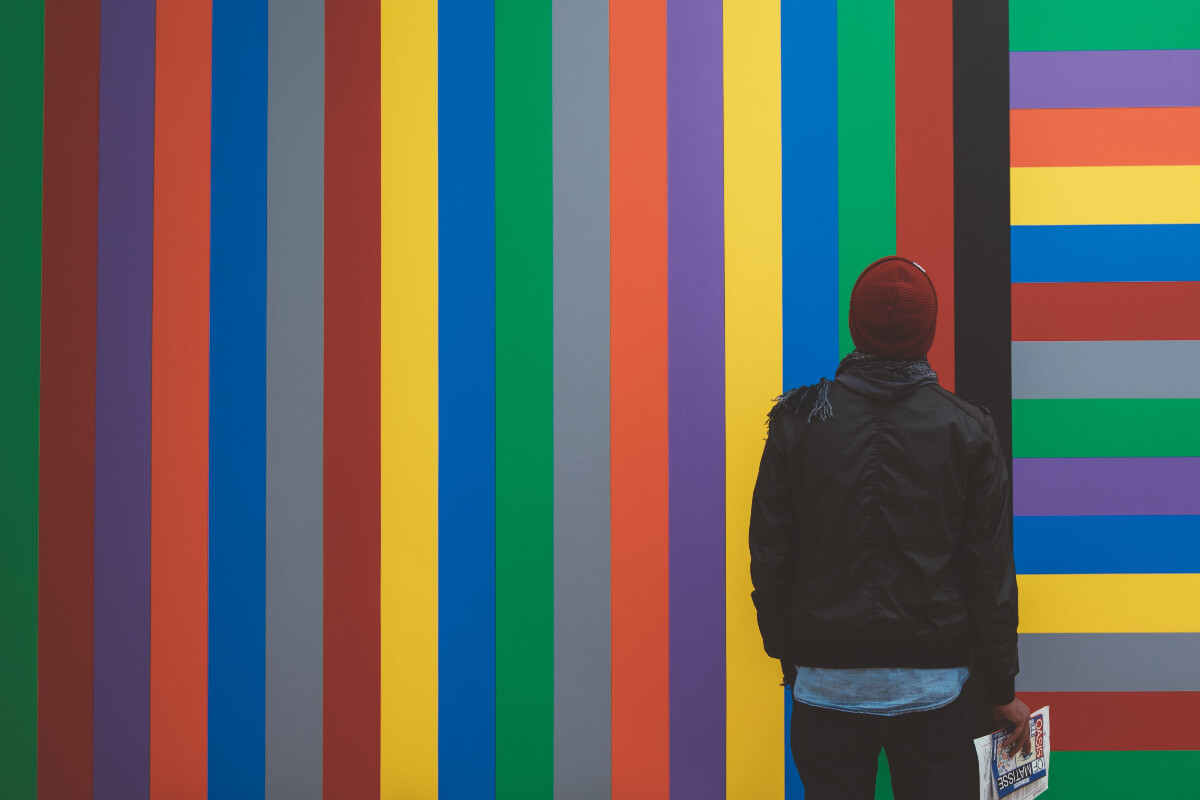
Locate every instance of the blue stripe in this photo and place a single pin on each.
(810, 220)
(1102, 253)
(793, 789)
(810, 192)
(467, 400)
(1106, 545)
(237, 433)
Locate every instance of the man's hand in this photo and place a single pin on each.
(789, 672)
(1015, 714)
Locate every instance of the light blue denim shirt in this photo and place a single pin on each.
(886, 691)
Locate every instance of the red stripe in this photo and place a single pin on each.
(1085, 137)
(352, 330)
(68, 399)
(638, 339)
(925, 157)
(1105, 311)
(179, 425)
(1120, 720)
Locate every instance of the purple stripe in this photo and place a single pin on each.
(696, 242)
(1104, 79)
(123, 325)
(1105, 486)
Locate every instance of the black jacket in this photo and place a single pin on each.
(882, 535)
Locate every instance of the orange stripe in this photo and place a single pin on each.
(638, 201)
(1105, 137)
(179, 501)
(925, 158)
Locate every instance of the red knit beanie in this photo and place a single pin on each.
(893, 309)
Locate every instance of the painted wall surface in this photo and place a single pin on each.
(1105, 218)
(385, 381)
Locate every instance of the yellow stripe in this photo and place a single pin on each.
(408, 765)
(753, 375)
(1110, 603)
(1105, 195)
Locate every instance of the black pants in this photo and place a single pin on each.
(930, 753)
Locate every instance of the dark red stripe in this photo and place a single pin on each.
(68, 399)
(925, 157)
(1105, 311)
(352, 256)
(1120, 720)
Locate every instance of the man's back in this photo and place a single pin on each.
(881, 556)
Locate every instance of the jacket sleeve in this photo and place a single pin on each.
(771, 546)
(990, 573)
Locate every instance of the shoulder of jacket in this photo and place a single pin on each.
(979, 413)
(792, 401)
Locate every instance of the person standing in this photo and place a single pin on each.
(881, 558)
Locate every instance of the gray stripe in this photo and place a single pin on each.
(1109, 662)
(295, 301)
(1105, 369)
(582, 647)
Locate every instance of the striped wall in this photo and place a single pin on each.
(388, 420)
(1105, 119)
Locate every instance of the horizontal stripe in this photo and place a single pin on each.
(1103, 25)
(1154, 368)
(1105, 195)
(1109, 662)
(1082, 486)
(1104, 79)
(1107, 545)
(1095, 253)
(1097, 137)
(1121, 721)
(1106, 428)
(1105, 311)
(1109, 603)
(1086, 776)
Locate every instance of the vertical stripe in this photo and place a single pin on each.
(983, 321)
(524, 401)
(697, 408)
(409, 401)
(753, 371)
(123, 394)
(866, 75)
(809, 101)
(21, 53)
(466, 400)
(638, 354)
(982, 368)
(295, 275)
(582, 620)
(351, 435)
(925, 158)
(179, 441)
(68, 402)
(237, 400)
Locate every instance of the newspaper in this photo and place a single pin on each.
(1016, 776)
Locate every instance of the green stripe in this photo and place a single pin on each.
(866, 43)
(1160, 774)
(1104, 25)
(21, 56)
(1106, 428)
(524, 402)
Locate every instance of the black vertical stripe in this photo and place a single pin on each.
(982, 295)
